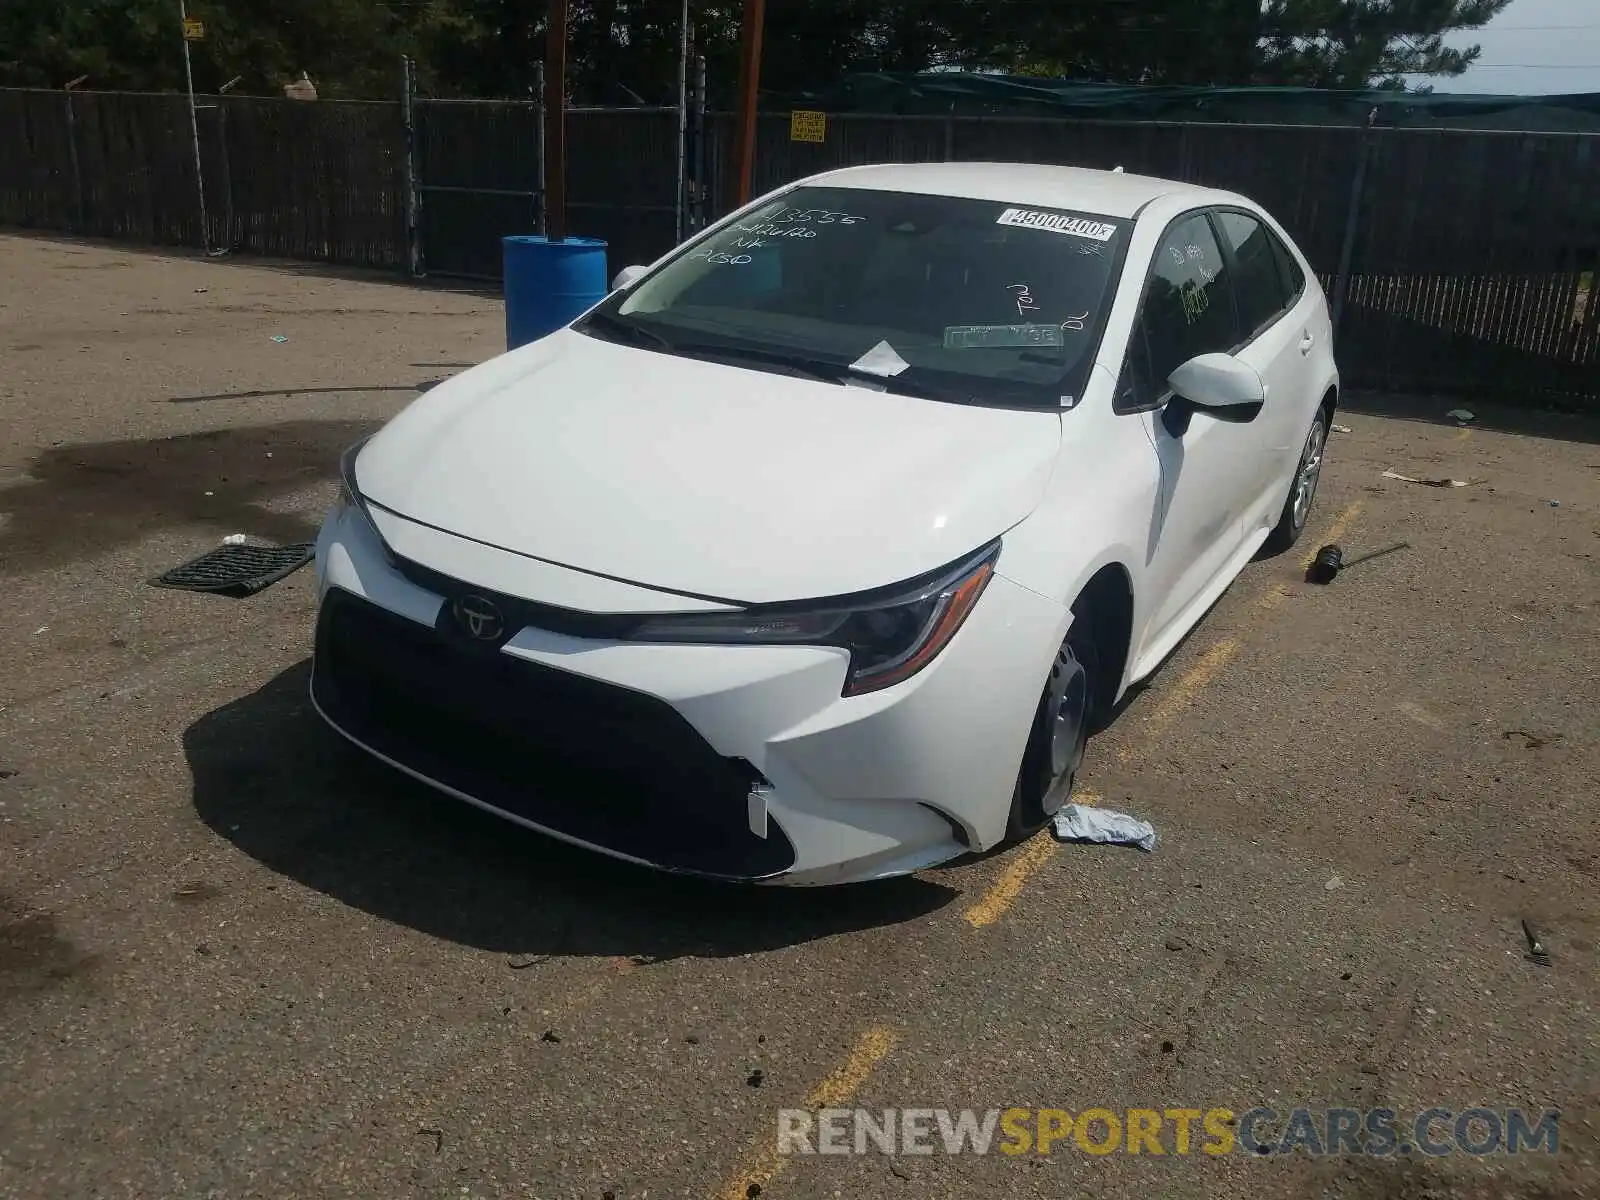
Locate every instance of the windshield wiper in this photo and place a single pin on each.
(810, 368)
(626, 331)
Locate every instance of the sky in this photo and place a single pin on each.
(1533, 47)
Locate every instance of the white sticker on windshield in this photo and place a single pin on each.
(880, 360)
(1082, 227)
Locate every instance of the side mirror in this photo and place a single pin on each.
(627, 277)
(1218, 386)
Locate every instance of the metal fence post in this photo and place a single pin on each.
(1358, 191)
(697, 208)
(408, 92)
(194, 130)
(541, 213)
(77, 172)
(555, 122)
(950, 133)
(680, 214)
(228, 239)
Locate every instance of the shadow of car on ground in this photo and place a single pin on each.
(273, 779)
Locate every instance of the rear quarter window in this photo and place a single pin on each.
(1294, 277)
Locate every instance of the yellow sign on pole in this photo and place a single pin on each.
(194, 31)
(808, 126)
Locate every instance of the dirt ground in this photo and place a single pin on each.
(238, 960)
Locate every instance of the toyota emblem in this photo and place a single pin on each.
(479, 618)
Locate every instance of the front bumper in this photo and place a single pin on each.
(735, 762)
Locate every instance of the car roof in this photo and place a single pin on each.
(1106, 193)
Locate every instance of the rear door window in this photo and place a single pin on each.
(1258, 282)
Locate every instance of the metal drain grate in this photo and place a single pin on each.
(237, 570)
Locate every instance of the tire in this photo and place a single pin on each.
(1303, 489)
(1059, 734)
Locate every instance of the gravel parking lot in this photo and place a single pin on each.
(238, 960)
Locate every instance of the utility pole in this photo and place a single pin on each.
(683, 122)
(194, 128)
(744, 144)
(555, 122)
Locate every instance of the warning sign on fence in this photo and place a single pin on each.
(808, 126)
(194, 31)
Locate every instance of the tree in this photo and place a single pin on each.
(350, 47)
(1357, 43)
(1314, 43)
(625, 51)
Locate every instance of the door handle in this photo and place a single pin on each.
(1306, 342)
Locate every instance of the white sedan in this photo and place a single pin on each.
(814, 553)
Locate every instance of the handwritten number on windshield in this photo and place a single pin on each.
(814, 216)
(719, 258)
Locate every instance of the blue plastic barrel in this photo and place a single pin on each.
(548, 284)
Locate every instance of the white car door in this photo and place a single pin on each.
(1279, 320)
(1196, 530)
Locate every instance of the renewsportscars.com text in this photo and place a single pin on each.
(1260, 1131)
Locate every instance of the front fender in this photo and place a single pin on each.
(1098, 510)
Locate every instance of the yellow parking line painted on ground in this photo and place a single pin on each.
(1183, 692)
(1004, 891)
(1214, 660)
(840, 1087)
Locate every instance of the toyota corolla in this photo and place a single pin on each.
(816, 551)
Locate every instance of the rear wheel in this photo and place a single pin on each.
(1297, 508)
(1059, 735)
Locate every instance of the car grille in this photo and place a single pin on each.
(600, 763)
(520, 613)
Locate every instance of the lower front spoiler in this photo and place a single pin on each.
(526, 811)
(597, 766)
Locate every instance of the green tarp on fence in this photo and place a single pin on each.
(938, 93)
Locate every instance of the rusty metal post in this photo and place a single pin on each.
(555, 122)
(744, 144)
(408, 118)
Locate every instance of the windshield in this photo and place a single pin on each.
(957, 299)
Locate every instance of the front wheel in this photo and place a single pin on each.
(1058, 738)
(1297, 508)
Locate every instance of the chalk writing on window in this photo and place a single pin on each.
(1196, 300)
(721, 258)
(1025, 300)
(770, 229)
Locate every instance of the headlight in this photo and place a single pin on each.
(347, 477)
(891, 635)
(350, 493)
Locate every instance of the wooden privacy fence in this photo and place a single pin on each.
(1462, 261)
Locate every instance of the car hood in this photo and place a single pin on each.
(702, 478)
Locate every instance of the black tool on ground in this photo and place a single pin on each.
(1536, 952)
(237, 570)
(1325, 565)
(1330, 561)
